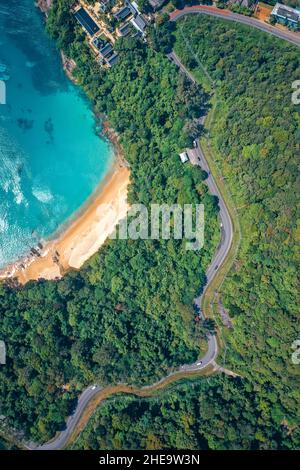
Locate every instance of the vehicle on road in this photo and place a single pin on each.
(199, 363)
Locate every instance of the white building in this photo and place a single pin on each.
(283, 13)
(139, 23)
(184, 157)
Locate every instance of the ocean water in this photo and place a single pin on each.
(51, 158)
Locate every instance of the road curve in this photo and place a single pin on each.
(61, 440)
(289, 36)
(197, 158)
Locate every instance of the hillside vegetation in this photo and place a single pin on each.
(127, 316)
(254, 138)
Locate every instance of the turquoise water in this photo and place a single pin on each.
(51, 158)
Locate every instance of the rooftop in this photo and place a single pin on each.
(125, 29)
(122, 13)
(112, 60)
(156, 3)
(139, 23)
(104, 5)
(286, 12)
(98, 43)
(86, 21)
(107, 49)
(133, 7)
(184, 157)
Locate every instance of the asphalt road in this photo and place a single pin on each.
(61, 440)
(291, 37)
(197, 158)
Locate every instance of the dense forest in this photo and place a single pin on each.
(127, 316)
(255, 139)
(256, 135)
(215, 413)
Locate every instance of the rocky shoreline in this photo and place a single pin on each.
(44, 5)
(69, 65)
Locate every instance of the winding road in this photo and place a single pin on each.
(63, 437)
(197, 158)
(289, 36)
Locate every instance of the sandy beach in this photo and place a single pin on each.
(84, 235)
(88, 229)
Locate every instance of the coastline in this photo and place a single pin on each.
(81, 236)
(44, 5)
(68, 66)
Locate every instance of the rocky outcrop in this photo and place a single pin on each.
(69, 65)
(44, 5)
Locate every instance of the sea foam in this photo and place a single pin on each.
(43, 195)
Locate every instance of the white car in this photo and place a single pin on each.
(94, 387)
(199, 363)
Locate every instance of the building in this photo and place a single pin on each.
(184, 157)
(106, 50)
(98, 43)
(241, 3)
(107, 55)
(122, 13)
(139, 23)
(133, 7)
(112, 60)
(286, 15)
(125, 29)
(136, 7)
(104, 5)
(86, 21)
(156, 4)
